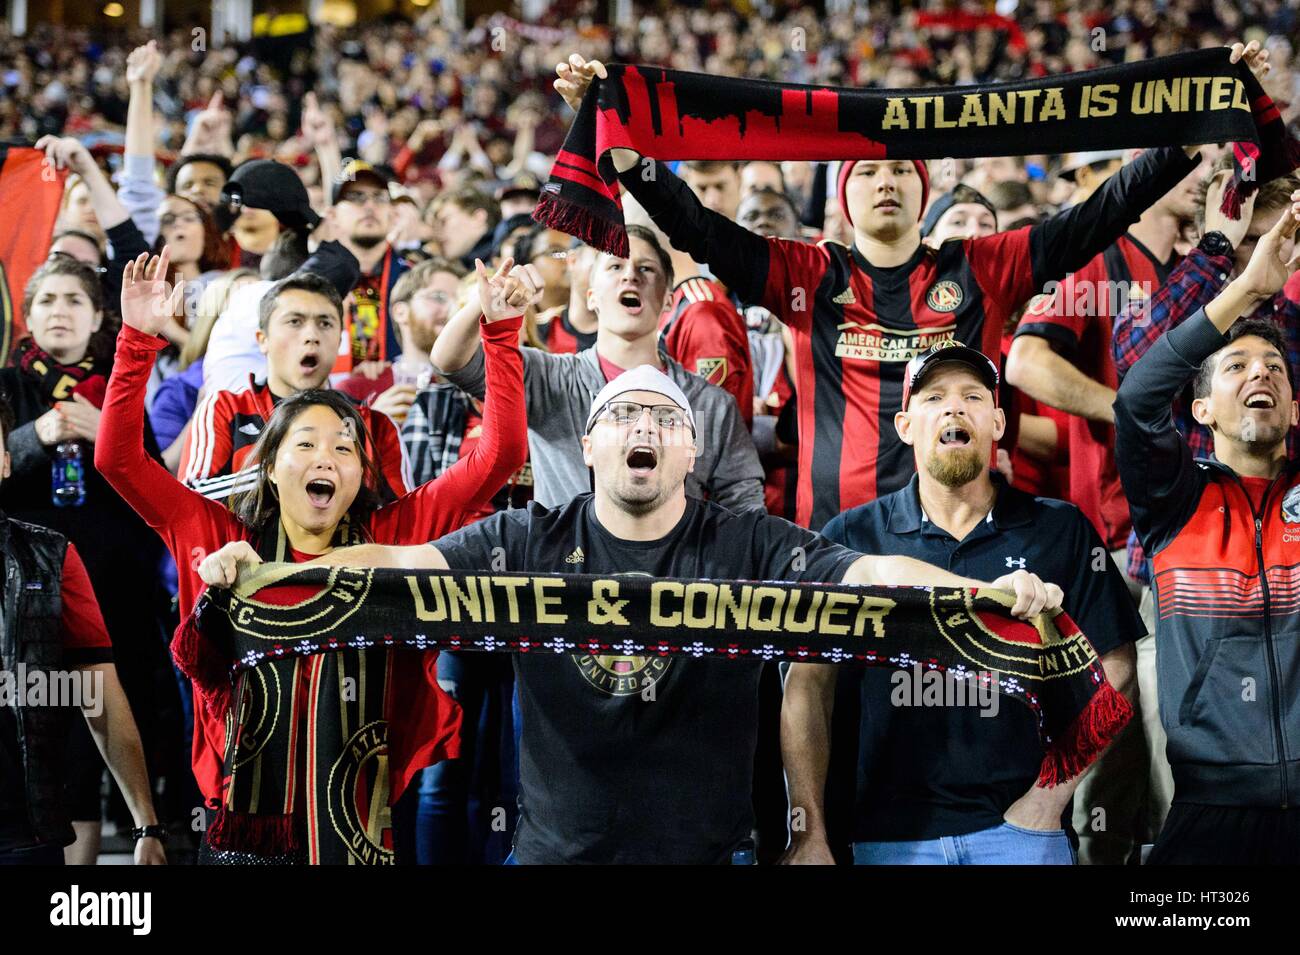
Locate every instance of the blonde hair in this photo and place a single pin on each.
(212, 303)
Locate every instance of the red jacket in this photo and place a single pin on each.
(226, 425)
(191, 525)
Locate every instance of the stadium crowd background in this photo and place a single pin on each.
(450, 107)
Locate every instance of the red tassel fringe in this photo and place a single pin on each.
(578, 220)
(262, 834)
(207, 669)
(1092, 730)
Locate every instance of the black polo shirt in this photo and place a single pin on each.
(931, 771)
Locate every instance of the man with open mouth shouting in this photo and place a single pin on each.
(628, 297)
(631, 759)
(949, 783)
(298, 330)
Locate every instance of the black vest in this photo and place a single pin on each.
(31, 634)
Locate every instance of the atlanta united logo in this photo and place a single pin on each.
(321, 613)
(259, 713)
(945, 296)
(357, 796)
(622, 675)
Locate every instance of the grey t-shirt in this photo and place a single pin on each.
(558, 391)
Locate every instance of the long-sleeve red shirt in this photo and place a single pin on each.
(422, 730)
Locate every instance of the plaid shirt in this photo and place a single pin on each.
(1190, 287)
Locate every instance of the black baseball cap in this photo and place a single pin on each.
(942, 353)
(270, 185)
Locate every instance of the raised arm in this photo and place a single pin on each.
(120, 454)
(1190, 287)
(139, 194)
(735, 255)
(70, 153)
(1155, 463)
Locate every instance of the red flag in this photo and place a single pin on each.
(30, 194)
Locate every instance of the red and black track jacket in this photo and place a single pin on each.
(1226, 576)
(215, 457)
(856, 325)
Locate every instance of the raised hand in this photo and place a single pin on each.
(148, 300)
(212, 129)
(574, 76)
(509, 291)
(143, 63)
(221, 569)
(1256, 58)
(1272, 262)
(66, 152)
(316, 124)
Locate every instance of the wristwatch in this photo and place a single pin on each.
(1215, 243)
(149, 832)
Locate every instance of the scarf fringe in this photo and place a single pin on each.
(207, 669)
(263, 834)
(1073, 751)
(1239, 189)
(577, 220)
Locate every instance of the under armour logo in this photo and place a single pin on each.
(1016, 562)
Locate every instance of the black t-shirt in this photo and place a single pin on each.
(638, 759)
(931, 771)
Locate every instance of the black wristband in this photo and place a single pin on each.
(1215, 243)
(149, 832)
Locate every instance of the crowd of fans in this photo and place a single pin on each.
(421, 147)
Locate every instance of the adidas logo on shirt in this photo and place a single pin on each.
(250, 429)
(577, 557)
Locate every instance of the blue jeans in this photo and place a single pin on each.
(1000, 845)
(463, 802)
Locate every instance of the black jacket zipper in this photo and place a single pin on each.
(1274, 678)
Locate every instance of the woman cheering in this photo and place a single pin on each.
(302, 760)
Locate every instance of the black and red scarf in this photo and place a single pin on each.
(1185, 99)
(289, 615)
(59, 382)
(306, 766)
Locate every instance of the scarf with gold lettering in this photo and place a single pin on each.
(1184, 99)
(294, 614)
(306, 768)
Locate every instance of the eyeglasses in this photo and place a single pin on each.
(551, 254)
(183, 218)
(627, 413)
(361, 198)
(58, 255)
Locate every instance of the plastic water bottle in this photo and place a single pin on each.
(68, 476)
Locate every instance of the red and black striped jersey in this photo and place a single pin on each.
(856, 325)
(561, 338)
(1077, 319)
(227, 424)
(705, 333)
